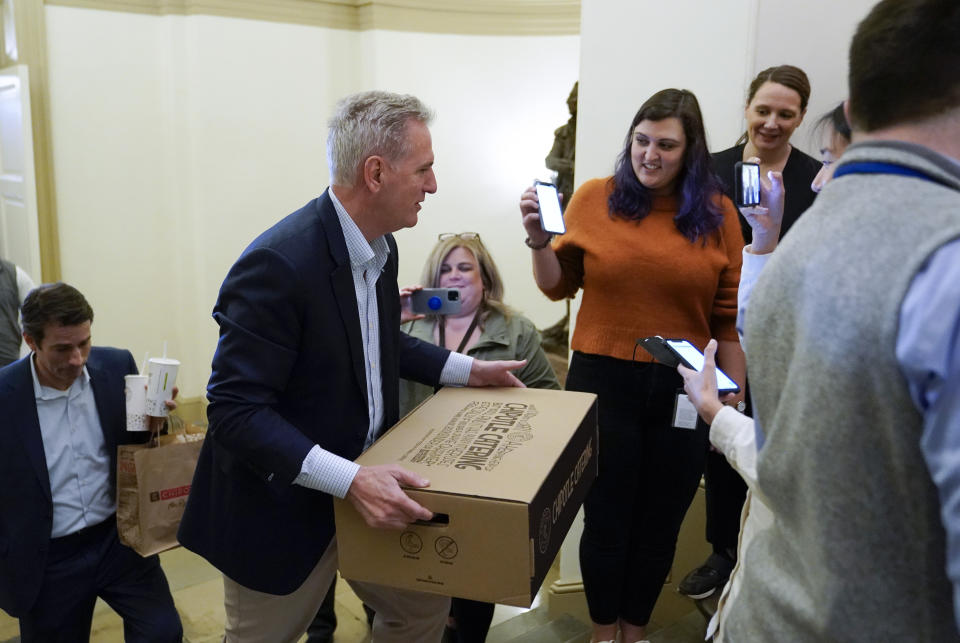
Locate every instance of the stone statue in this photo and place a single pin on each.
(561, 160)
(561, 157)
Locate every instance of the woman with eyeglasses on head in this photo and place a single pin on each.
(656, 249)
(484, 328)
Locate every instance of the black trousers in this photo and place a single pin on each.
(472, 619)
(81, 567)
(648, 474)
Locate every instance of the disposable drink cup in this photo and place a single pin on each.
(135, 388)
(163, 375)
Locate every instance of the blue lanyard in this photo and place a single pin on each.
(879, 167)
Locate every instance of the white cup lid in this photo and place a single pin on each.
(166, 361)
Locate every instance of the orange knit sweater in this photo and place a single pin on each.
(642, 278)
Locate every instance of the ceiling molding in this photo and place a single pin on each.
(479, 17)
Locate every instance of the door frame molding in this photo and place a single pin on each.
(30, 28)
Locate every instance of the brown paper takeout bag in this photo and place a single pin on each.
(152, 487)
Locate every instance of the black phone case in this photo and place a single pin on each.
(657, 347)
(738, 185)
(661, 351)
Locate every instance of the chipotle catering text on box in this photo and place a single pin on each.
(508, 470)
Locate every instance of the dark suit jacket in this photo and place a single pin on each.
(288, 373)
(26, 505)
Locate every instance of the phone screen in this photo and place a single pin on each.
(551, 219)
(694, 357)
(748, 184)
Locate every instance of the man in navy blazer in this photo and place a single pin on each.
(63, 417)
(306, 375)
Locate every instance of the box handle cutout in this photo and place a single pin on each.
(438, 520)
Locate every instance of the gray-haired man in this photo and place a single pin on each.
(305, 377)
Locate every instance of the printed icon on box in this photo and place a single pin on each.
(446, 547)
(411, 542)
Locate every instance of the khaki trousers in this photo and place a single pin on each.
(402, 615)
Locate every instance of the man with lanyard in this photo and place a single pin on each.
(853, 345)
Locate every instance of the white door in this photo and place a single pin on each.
(19, 231)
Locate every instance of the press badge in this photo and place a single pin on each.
(684, 412)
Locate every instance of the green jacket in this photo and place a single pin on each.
(500, 338)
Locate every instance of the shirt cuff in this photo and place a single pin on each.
(753, 264)
(456, 372)
(326, 472)
(732, 433)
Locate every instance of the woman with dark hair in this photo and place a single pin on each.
(656, 249)
(776, 104)
(733, 434)
(835, 137)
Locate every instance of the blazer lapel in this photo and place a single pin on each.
(387, 302)
(341, 279)
(97, 378)
(27, 423)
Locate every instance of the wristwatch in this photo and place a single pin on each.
(741, 406)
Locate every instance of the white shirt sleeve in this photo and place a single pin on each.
(752, 266)
(24, 283)
(329, 473)
(326, 472)
(732, 433)
(24, 286)
(456, 372)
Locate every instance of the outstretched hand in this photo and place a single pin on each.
(495, 373)
(376, 493)
(765, 219)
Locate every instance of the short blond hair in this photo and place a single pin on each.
(489, 274)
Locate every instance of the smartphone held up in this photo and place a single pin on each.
(435, 301)
(747, 180)
(551, 217)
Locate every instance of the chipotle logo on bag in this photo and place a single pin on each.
(169, 494)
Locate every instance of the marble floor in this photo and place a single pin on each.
(198, 592)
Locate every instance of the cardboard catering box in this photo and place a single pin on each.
(508, 469)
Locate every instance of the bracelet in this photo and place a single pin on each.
(535, 246)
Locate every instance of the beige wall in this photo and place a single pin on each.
(815, 35)
(632, 48)
(177, 139)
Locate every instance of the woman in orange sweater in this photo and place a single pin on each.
(656, 249)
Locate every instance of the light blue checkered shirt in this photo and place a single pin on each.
(78, 463)
(321, 469)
